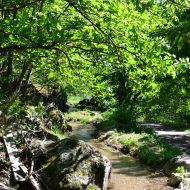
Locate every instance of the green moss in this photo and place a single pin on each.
(92, 187)
(53, 114)
(49, 161)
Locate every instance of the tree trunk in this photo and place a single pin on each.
(3, 67)
(2, 12)
(28, 76)
(21, 77)
(10, 63)
(133, 102)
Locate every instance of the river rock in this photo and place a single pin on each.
(175, 180)
(73, 165)
(186, 183)
(171, 165)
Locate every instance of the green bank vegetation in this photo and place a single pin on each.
(146, 147)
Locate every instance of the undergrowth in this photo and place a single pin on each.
(149, 149)
(122, 120)
(57, 132)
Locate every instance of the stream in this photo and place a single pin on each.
(127, 172)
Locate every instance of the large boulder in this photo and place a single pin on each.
(174, 180)
(73, 165)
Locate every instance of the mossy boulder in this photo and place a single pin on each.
(73, 165)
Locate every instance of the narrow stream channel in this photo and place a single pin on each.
(127, 172)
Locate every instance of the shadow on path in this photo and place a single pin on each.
(176, 138)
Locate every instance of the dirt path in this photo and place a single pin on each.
(127, 173)
(176, 138)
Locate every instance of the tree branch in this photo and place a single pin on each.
(66, 55)
(22, 48)
(88, 50)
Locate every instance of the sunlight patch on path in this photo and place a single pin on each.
(176, 133)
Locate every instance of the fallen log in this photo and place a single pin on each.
(4, 187)
(20, 172)
(14, 158)
(36, 185)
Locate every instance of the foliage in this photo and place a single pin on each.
(122, 53)
(122, 115)
(92, 187)
(74, 100)
(57, 132)
(14, 107)
(122, 120)
(181, 171)
(171, 103)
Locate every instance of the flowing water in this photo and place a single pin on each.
(127, 172)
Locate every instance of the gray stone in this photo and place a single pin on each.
(73, 165)
(175, 180)
(171, 165)
(184, 160)
(186, 183)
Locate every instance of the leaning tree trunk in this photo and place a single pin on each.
(27, 80)
(21, 77)
(10, 64)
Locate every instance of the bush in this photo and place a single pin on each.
(123, 120)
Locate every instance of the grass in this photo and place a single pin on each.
(74, 100)
(187, 130)
(146, 147)
(83, 116)
(56, 132)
